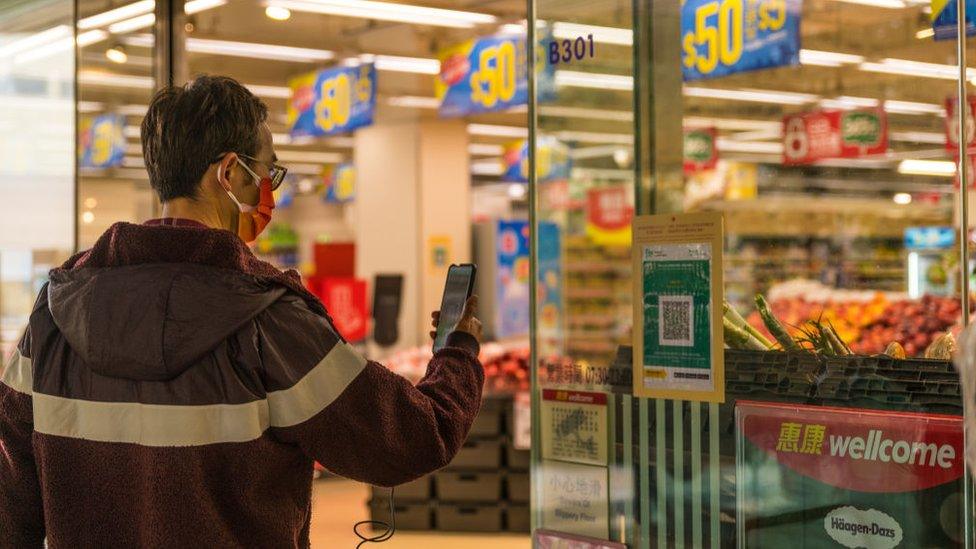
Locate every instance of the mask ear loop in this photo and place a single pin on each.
(240, 206)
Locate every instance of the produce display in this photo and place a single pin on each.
(506, 365)
(902, 328)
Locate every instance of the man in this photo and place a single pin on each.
(174, 391)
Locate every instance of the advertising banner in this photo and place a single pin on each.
(345, 299)
(574, 426)
(678, 334)
(609, 212)
(723, 37)
(490, 74)
(818, 135)
(848, 477)
(549, 290)
(332, 101)
(340, 182)
(552, 160)
(512, 283)
(101, 143)
(945, 19)
(700, 149)
(930, 238)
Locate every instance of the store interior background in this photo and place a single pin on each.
(840, 223)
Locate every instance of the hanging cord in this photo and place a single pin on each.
(389, 529)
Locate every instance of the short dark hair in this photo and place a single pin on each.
(188, 127)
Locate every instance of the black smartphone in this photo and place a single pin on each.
(457, 290)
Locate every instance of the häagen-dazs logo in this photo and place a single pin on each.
(871, 529)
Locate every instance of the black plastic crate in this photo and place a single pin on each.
(468, 517)
(516, 459)
(478, 454)
(518, 518)
(419, 489)
(409, 515)
(518, 487)
(459, 486)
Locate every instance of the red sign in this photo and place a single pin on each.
(579, 397)
(952, 126)
(608, 209)
(856, 449)
(345, 299)
(813, 136)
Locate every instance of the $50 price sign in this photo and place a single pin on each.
(722, 37)
(483, 75)
(332, 101)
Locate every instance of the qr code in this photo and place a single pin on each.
(676, 315)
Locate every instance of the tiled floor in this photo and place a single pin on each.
(338, 504)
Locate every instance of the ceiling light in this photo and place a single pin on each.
(595, 137)
(943, 168)
(513, 28)
(758, 135)
(196, 6)
(61, 45)
(732, 124)
(257, 51)
(87, 217)
(133, 110)
(598, 151)
(419, 65)
(604, 35)
(580, 112)
(766, 147)
(902, 199)
(34, 40)
(907, 67)
(277, 92)
(849, 102)
(90, 106)
(135, 23)
(761, 96)
(516, 190)
(91, 203)
(414, 102)
(118, 14)
(387, 11)
(594, 80)
(116, 54)
(487, 167)
(497, 131)
(277, 13)
(131, 131)
(892, 4)
(933, 138)
(485, 149)
(911, 107)
(828, 58)
(101, 78)
(925, 33)
(303, 156)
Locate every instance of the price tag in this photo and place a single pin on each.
(332, 101)
(722, 37)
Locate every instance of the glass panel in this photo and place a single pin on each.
(36, 162)
(831, 168)
(115, 82)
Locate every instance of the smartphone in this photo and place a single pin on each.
(457, 290)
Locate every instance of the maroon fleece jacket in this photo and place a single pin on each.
(174, 391)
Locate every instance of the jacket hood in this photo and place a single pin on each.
(151, 322)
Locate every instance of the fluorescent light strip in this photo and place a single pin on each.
(136, 23)
(729, 145)
(276, 92)
(513, 28)
(595, 80)
(485, 149)
(828, 58)
(133, 110)
(732, 124)
(580, 112)
(257, 51)
(487, 167)
(61, 45)
(386, 11)
(758, 135)
(916, 68)
(934, 138)
(34, 40)
(890, 4)
(925, 33)
(394, 63)
(849, 102)
(90, 106)
(413, 102)
(305, 156)
(491, 130)
(131, 132)
(605, 35)
(99, 78)
(911, 107)
(196, 6)
(943, 168)
(600, 151)
(595, 137)
(118, 14)
(761, 96)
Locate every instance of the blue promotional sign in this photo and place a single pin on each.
(512, 283)
(101, 141)
(549, 291)
(332, 101)
(929, 238)
(340, 183)
(552, 161)
(723, 37)
(945, 19)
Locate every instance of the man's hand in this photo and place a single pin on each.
(468, 323)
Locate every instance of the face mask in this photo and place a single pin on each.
(253, 219)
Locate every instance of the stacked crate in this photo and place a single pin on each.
(484, 489)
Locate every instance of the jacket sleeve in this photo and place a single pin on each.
(21, 507)
(356, 417)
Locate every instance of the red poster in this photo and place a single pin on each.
(609, 213)
(345, 299)
(813, 136)
(952, 126)
(857, 449)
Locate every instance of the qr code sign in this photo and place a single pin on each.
(675, 320)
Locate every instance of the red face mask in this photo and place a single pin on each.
(253, 219)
